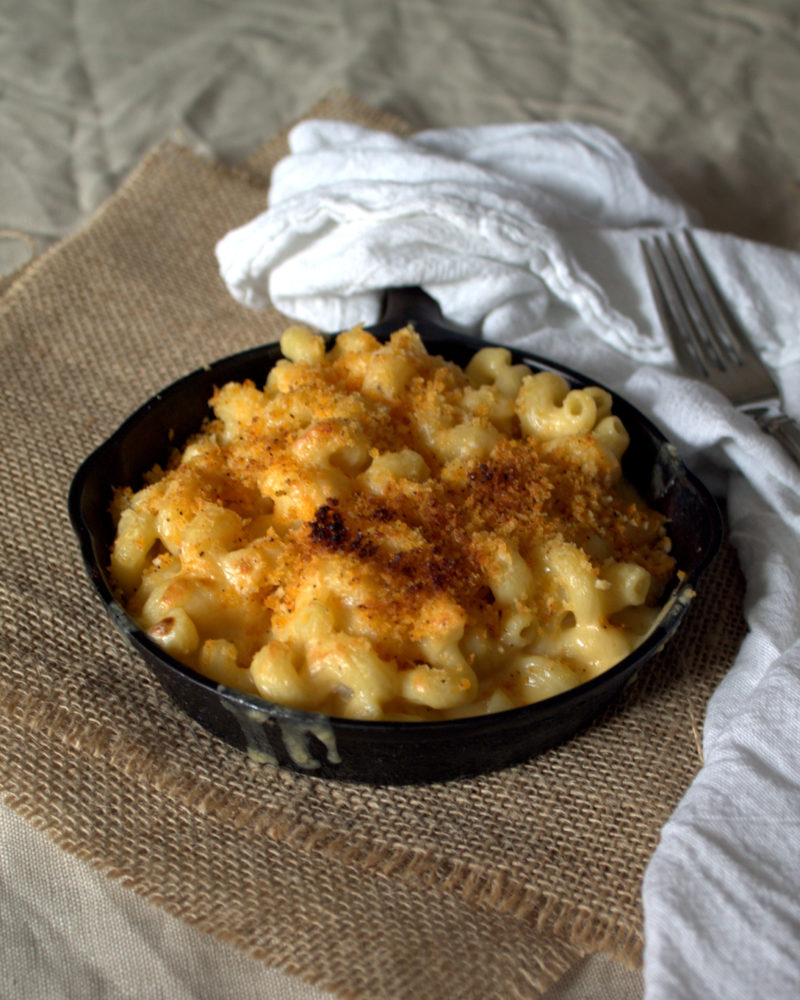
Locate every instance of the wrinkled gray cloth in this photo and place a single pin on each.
(706, 91)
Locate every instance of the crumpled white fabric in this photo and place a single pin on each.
(528, 234)
(468, 214)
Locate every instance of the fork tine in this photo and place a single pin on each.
(691, 305)
(674, 314)
(703, 331)
(735, 345)
(700, 303)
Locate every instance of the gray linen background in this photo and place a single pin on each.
(708, 91)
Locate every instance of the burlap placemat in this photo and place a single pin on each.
(485, 888)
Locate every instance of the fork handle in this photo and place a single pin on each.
(783, 429)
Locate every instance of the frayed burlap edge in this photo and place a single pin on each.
(580, 928)
(539, 962)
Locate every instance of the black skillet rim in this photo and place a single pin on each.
(599, 689)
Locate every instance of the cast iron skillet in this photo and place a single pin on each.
(382, 752)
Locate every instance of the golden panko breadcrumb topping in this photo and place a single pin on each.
(375, 512)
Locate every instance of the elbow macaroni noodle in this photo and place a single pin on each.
(379, 534)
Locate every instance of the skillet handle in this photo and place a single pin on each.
(409, 303)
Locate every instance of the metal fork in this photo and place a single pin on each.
(708, 342)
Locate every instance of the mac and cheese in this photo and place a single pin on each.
(379, 534)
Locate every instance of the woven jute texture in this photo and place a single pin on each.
(489, 887)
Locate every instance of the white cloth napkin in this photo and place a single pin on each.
(528, 235)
